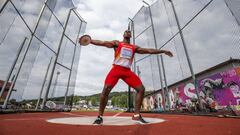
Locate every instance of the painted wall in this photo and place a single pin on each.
(216, 92)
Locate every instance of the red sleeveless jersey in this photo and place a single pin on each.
(124, 54)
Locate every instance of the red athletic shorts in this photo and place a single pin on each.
(119, 72)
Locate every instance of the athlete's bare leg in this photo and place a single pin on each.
(103, 102)
(104, 98)
(139, 98)
(138, 103)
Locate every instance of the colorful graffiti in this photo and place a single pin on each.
(154, 102)
(223, 88)
(215, 92)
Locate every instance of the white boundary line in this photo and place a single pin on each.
(35, 118)
(25, 119)
(117, 114)
(75, 114)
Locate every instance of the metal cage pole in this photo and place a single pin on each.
(55, 61)
(69, 78)
(12, 67)
(44, 82)
(232, 12)
(13, 82)
(134, 63)
(4, 5)
(186, 52)
(55, 84)
(165, 81)
(158, 60)
(130, 107)
(28, 46)
(133, 36)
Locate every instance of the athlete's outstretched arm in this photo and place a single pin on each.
(152, 51)
(108, 44)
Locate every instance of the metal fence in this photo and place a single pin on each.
(39, 53)
(210, 31)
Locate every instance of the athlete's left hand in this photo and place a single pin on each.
(168, 53)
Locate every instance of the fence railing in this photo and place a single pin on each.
(210, 33)
(45, 70)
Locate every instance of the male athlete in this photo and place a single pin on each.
(124, 54)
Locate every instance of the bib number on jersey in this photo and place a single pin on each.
(126, 53)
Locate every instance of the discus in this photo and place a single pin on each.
(85, 40)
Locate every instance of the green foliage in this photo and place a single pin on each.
(94, 101)
(123, 101)
(13, 101)
(119, 99)
(76, 99)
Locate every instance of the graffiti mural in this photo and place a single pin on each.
(216, 92)
(159, 101)
(222, 88)
(153, 102)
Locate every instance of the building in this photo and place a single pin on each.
(218, 88)
(4, 95)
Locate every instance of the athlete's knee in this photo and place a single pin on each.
(140, 89)
(106, 90)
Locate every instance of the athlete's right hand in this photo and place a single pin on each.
(85, 40)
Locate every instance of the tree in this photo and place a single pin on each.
(94, 101)
(76, 99)
(123, 101)
(114, 101)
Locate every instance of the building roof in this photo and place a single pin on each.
(2, 83)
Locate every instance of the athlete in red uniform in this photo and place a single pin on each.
(124, 54)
